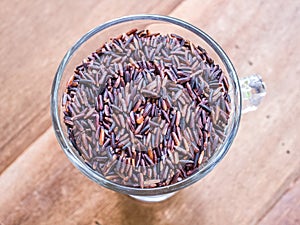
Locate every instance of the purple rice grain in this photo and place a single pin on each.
(147, 110)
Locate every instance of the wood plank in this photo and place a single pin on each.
(287, 209)
(42, 187)
(47, 30)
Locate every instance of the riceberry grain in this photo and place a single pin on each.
(147, 110)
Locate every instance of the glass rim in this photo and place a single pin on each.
(89, 172)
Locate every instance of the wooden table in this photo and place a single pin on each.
(257, 182)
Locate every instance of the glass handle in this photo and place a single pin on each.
(253, 90)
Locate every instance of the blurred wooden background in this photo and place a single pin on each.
(257, 182)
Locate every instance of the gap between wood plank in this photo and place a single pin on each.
(292, 180)
(12, 158)
(173, 8)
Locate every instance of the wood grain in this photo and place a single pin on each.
(287, 209)
(37, 35)
(254, 184)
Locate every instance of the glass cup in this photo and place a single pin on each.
(245, 94)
